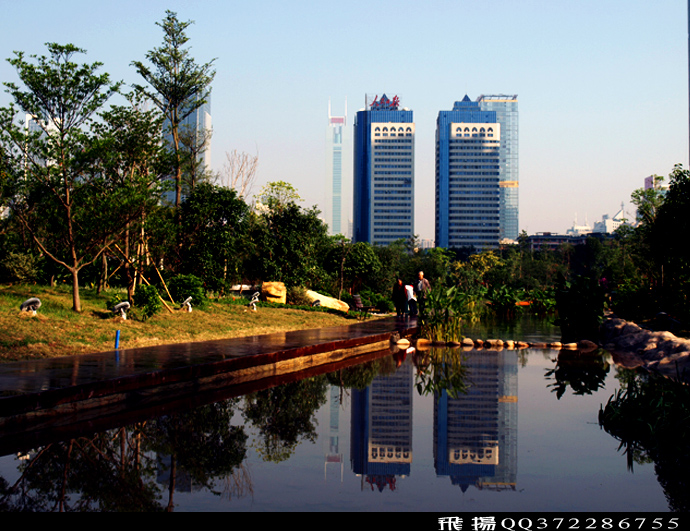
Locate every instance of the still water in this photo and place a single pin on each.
(439, 430)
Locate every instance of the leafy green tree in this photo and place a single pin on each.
(648, 201)
(671, 253)
(215, 224)
(178, 86)
(277, 195)
(353, 264)
(290, 242)
(71, 209)
(130, 155)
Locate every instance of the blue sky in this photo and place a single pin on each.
(602, 85)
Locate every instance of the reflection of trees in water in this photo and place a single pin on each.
(116, 470)
(441, 369)
(201, 442)
(583, 373)
(285, 416)
(651, 419)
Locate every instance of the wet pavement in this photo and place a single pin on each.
(30, 386)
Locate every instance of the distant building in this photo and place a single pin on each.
(334, 208)
(197, 124)
(506, 108)
(383, 199)
(579, 230)
(609, 224)
(551, 241)
(468, 158)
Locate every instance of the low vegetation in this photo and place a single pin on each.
(56, 330)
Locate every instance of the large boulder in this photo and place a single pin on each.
(274, 292)
(327, 302)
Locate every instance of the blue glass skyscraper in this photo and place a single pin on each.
(383, 199)
(506, 107)
(468, 154)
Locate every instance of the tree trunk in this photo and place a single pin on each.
(76, 300)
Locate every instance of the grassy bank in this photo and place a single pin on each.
(58, 331)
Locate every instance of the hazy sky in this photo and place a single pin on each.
(602, 84)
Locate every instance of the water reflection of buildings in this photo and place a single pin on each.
(475, 435)
(333, 454)
(381, 431)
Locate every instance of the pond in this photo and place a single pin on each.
(443, 430)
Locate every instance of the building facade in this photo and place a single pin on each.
(197, 129)
(383, 172)
(335, 207)
(506, 108)
(468, 155)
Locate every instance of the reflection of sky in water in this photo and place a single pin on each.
(564, 461)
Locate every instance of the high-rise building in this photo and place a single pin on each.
(468, 153)
(335, 137)
(383, 200)
(506, 107)
(196, 127)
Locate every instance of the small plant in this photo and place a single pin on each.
(444, 310)
(146, 299)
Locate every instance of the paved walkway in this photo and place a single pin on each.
(43, 384)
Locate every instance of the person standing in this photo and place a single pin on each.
(411, 300)
(399, 298)
(421, 288)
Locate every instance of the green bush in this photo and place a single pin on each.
(146, 300)
(183, 286)
(20, 267)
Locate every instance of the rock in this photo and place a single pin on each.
(494, 343)
(633, 346)
(585, 345)
(509, 344)
(556, 345)
(466, 341)
(274, 292)
(403, 342)
(328, 302)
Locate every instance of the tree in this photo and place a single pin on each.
(278, 194)
(239, 172)
(670, 250)
(130, 155)
(64, 200)
(214, 227)
(648, 201)
(178, 85)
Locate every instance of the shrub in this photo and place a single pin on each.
(20, 267)
(183, 286)
(297, 295)
(147, 300)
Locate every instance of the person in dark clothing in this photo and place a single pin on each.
(399, 298)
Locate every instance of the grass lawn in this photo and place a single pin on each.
(58, 331)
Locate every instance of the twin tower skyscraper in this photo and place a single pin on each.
(476, 185)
